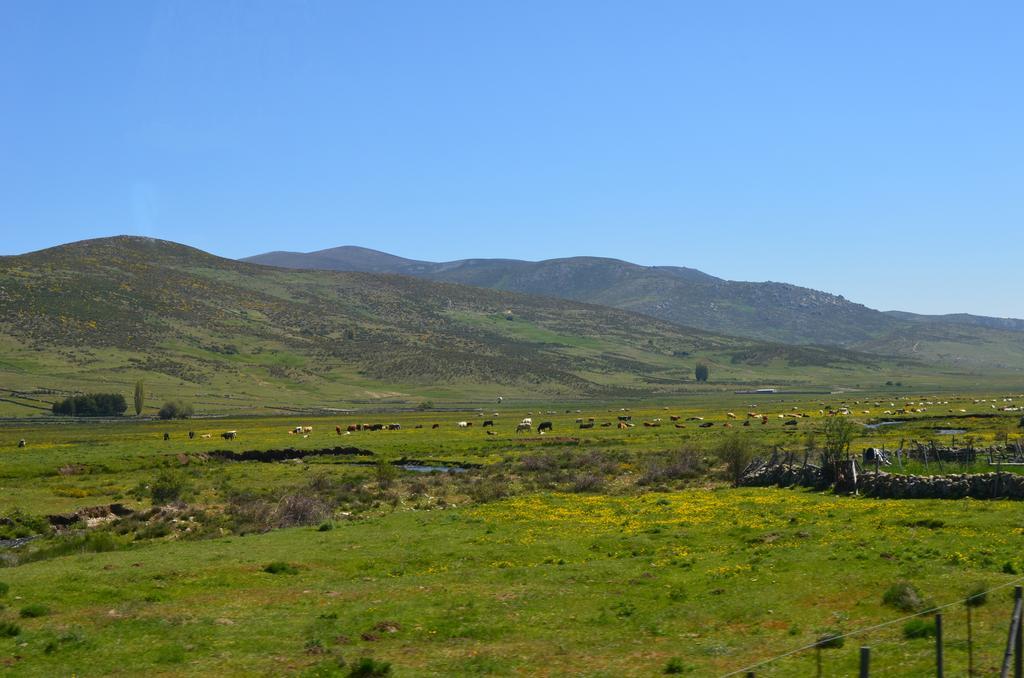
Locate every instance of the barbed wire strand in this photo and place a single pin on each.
(874, 627)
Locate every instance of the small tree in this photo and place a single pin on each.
(735, 452)
(838, 432)
(140, 396)
(701, 372)
(175, 409)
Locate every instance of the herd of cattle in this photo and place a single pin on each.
(623, 421)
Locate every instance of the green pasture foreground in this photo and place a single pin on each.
(538, 584)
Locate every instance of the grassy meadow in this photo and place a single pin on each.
(598, 551)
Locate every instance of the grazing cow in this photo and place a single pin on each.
(307, 429)
(764, 419)
(394, 427)
(625, 424)
(191, 435)
(673, 417)
(435, 426)
(352, 428)
(488, 422)
(730, 415)
(579, 420)
(206, 436)
(695, 419)
(229, 435)
(337, 429)
(746, 423)
(680, 425)
(523, 426)
(606, 424)
(527, 420)
(707, 424)
(167, 436)
(651, 424)
(22, 443)
(587, 425)
(418, 426)
(465, 424)
(544, 426)
(492, 433)
(625, 417)
(791, 422)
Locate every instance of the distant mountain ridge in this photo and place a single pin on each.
(99, 314)
(769, 311)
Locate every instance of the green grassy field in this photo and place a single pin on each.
(600, 551)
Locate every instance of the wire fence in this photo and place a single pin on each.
(954, 638)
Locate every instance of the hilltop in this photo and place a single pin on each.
(768, 311)
(105, 312)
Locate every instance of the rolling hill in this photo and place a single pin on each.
(767, 311)
(232, 335)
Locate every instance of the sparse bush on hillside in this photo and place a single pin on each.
(175, 409)
(92, 405)
(701, 372)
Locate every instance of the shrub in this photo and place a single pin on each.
(830, 640)
(4, 588)
(280, 567)
(9, 630)
(701, 372)
(903, 596)
(919, 628)
(299, 509)
(674, 666)
(735, 452)
(386, 474)
(167, 487)
(588, 482)
(92, 405)
(367, 667)
(34, 610)
(175, 409)
(978, 596)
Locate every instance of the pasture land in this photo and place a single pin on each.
(596, 551)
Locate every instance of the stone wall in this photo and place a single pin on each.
(884, 485)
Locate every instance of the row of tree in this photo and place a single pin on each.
(114, 405)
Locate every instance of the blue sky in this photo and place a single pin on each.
(871, 149)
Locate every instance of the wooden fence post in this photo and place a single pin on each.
(938, 646)
(970, 644)
(1018, 642)
(865, 662)
(1011, 640)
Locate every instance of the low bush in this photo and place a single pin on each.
(919, 628)
(175, 409)
(168, 486)
(280, 567)
(367, 667)
(904, 597)
(34, 610)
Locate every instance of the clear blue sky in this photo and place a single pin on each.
(871, 149)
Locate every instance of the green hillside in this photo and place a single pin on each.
(768, 311)
(235, 336)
